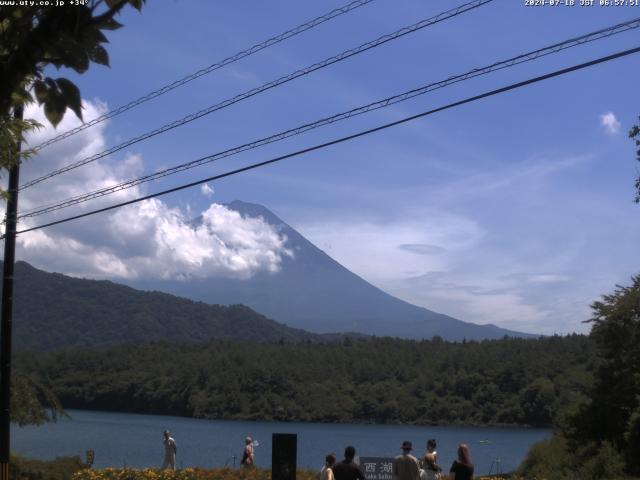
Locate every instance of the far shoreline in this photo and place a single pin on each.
(303, 422)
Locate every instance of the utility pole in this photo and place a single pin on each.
(7, 311)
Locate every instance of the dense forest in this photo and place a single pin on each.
(54, 311)
(498, 382)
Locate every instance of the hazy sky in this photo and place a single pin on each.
(515, 210)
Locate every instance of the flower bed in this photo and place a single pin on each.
(184, 474)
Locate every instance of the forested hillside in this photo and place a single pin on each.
(54, 311)
(509, 381)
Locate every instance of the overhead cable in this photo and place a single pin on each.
(267, 86)
(342, 139)
(211, 68)
(525, 57)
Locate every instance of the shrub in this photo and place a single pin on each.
(61, 468)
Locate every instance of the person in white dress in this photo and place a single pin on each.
(170, 451)
(429, 462)
(326, 473)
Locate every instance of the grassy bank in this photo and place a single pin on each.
(59, 469)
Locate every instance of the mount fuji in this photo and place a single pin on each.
(311, 291)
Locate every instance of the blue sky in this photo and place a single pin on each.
(515, 210)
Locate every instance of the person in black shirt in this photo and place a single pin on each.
(462, 468)
(347, 469)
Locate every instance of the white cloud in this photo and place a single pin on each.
(206, 190)
(145, 240)
(548, 278)
(422, 248)
(383, 251)
(610, 123)
(456, 264)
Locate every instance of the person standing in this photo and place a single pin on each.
(430, 460)
(347, 469)
(405, 466)
(248, 456)
(170, 451)
(462, 468)
(326, 473)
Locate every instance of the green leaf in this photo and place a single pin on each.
(71, 96)
(114, 3)
(53, 113)
(109, 24)
(5, 25)
(41, 91)
(92, 34)
(137, 4)
(80, 61)
(51, 83)
(99, 55)
(21, 97)
(54, 107)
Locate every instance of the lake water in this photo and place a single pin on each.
(123, 439)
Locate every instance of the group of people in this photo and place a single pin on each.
(404, 467)
(171, 450)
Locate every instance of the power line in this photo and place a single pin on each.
(274, 83)
(526, 57)
(344, 139)
(211, 68)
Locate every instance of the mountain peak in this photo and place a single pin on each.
(254, 210)
(314, 292)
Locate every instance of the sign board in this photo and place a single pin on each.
(377, 468)
(284, 448)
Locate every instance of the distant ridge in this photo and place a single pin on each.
(53, 311)
(315, 293)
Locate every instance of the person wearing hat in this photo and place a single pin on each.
(405, 466)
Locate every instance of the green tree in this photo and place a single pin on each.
(33, 38)
(32, 402)
(612, 413)
(537, 400)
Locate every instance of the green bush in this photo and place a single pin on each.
(61, 468)
(557, 459)
(546, 459)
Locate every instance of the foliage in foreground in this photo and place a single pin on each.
(185, 474)
(199, 474)
(33, 403)
(509, 381)
(59, 469)
(553, 460)
(34, 36)
(600, 437)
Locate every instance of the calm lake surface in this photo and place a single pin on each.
(132, 440)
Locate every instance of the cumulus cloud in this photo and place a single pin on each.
(206, 190)
(149, 239)
(610, 123)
